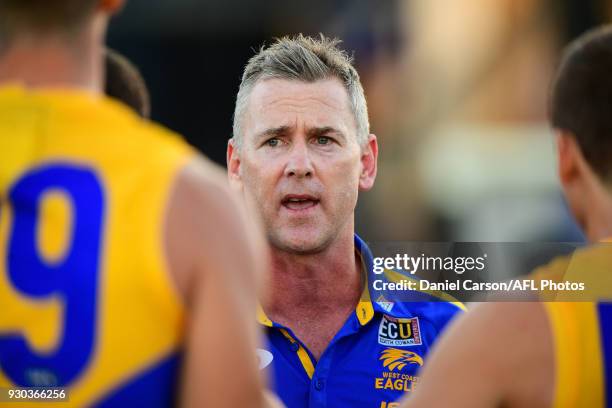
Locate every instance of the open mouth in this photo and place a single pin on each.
(296, 202)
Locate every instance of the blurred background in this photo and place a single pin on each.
(457, 94)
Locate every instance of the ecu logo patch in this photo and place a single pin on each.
(399, 332)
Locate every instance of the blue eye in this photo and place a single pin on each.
(323, 140)
(272, 142)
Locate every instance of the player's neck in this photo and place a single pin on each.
(598, 225)
(51, 62)
(594, 208)
(330, 277)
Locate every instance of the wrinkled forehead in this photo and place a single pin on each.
(275, 103)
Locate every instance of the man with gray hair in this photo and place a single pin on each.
(300, 153)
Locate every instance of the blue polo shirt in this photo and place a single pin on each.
(372, 361)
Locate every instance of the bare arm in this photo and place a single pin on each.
(217, 259)
(498, 354)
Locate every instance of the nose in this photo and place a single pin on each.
(299, 163)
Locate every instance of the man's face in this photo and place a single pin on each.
(300, 166)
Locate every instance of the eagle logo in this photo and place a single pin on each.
(393, 358)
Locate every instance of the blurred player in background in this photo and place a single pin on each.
(123, 81)
(121, 247)
(301, 153)
(554, 354)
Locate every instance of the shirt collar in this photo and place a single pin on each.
(365, 308)
(262, 318)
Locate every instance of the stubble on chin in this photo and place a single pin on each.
(297, 245)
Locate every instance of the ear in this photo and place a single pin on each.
(111, 6)
(233, 162)
(568, 155)
(369, 164)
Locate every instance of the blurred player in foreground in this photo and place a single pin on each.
(122, 81)
(301, 153)
(554, 354)
(125, 261)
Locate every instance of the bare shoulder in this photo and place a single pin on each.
(502, 315)
(213, 256)
(201, 181)
(496, 354)
(522, 344)
(204, 219)
(524, 325)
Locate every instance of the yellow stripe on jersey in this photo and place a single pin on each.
(578, 354)
(302, 354)
(576, 324)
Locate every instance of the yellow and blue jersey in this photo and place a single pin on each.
(372, 361)
(582, 334)
(87, 301)
(581, 325)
